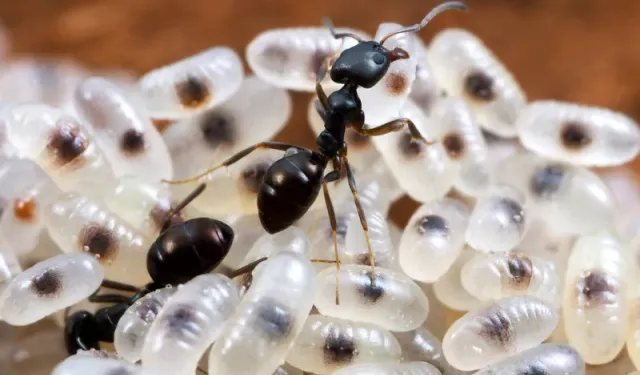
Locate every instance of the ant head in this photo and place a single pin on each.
(365, 63)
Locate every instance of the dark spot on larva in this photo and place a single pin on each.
(496, 327)
(181, 319)
(132, 142)
(193, 92)
(547, 180)
(396, 83)
(25, 209)
(433, 225)
(479, 86)
(119, 371)
(339, 348)
(218, 128)
(364, 260)
(148, 309)
(275, 58)
(520, 271)
(371, 287)
(342, 225)
(575, 136)
(158, 214)
(98, 241)
(161, 124)
(252, 176)
(454, 144)
(273, 318)
(356, 140)
(512, 210)
(66, 142)
(533, 369)
(411, 148)
(597, 288)
(47, 284)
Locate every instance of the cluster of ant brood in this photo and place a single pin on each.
(502, 260)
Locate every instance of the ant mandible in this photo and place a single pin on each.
(291, 184)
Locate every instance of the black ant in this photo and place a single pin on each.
(181, 252)
(291, 184)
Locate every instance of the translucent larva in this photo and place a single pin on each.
(407, 368)
(570, 199)
(551, 359)
(633, 330)
(423, 171)
(424, 90)
(421, 345)
(496, 276)
(191, 85)
(188, 323)
(578, 134)
(327, 344)
(389, 299)
(134, 325)
(77, 223)
(433, 239)
(255, 113)
(49, 286)
(594, 301)
(497, 222)
(131, 143)
(247, 229)
(291, 58)
(58, 143)
(498, 330)
(383, 101)
(9, 266)
(466, 68)
(80, 365)
(449, 290)
(464, 143)
(356, 249)
(268, 320)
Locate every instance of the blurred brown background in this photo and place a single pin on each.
(578, 50)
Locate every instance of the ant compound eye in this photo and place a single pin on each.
(378, 58)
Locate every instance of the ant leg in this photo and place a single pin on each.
(330, 177)
(246, 269)
(116, 285)
(109, 298)
(322, 96)
(321, 112)
(235, 158)
(199, 369)
(182, 204)
(393, 126)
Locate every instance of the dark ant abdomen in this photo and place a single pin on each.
(289, 188)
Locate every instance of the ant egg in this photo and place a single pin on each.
(424, 90)
(188, 323)
(433, 239)
(191, 85)
(464, 143)
(383, 101)
(389, 299)
(291, 58)
(498, 330)
(327, 344)
(131, 330)
(595, 301)
(497, 222)
(551, 359)
(466, 68)
(407, 368)
(130, 142)
(51, 285)
(578, 134)
(448, 288)
(255, 113)
(58, 143)
(421, 345)
(79, 224)
(82, 364)
(269, 318)
(423, 171)
(496, 276)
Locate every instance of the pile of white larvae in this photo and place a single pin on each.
(538, 246)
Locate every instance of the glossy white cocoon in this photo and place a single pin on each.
(259, 335)
(433, 239)
(578, 134)
(407, 368)
(595, 297)
(551, 359)
(466, 68)
(191, 85)
(449, 290)
(81, 365)
(497, 331)
(389, 299)
(421, 345)
(49, 286)
(130, 142)
(291, 57)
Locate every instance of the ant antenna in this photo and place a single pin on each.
(457, 5)
(193, 195)
(329, 24)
